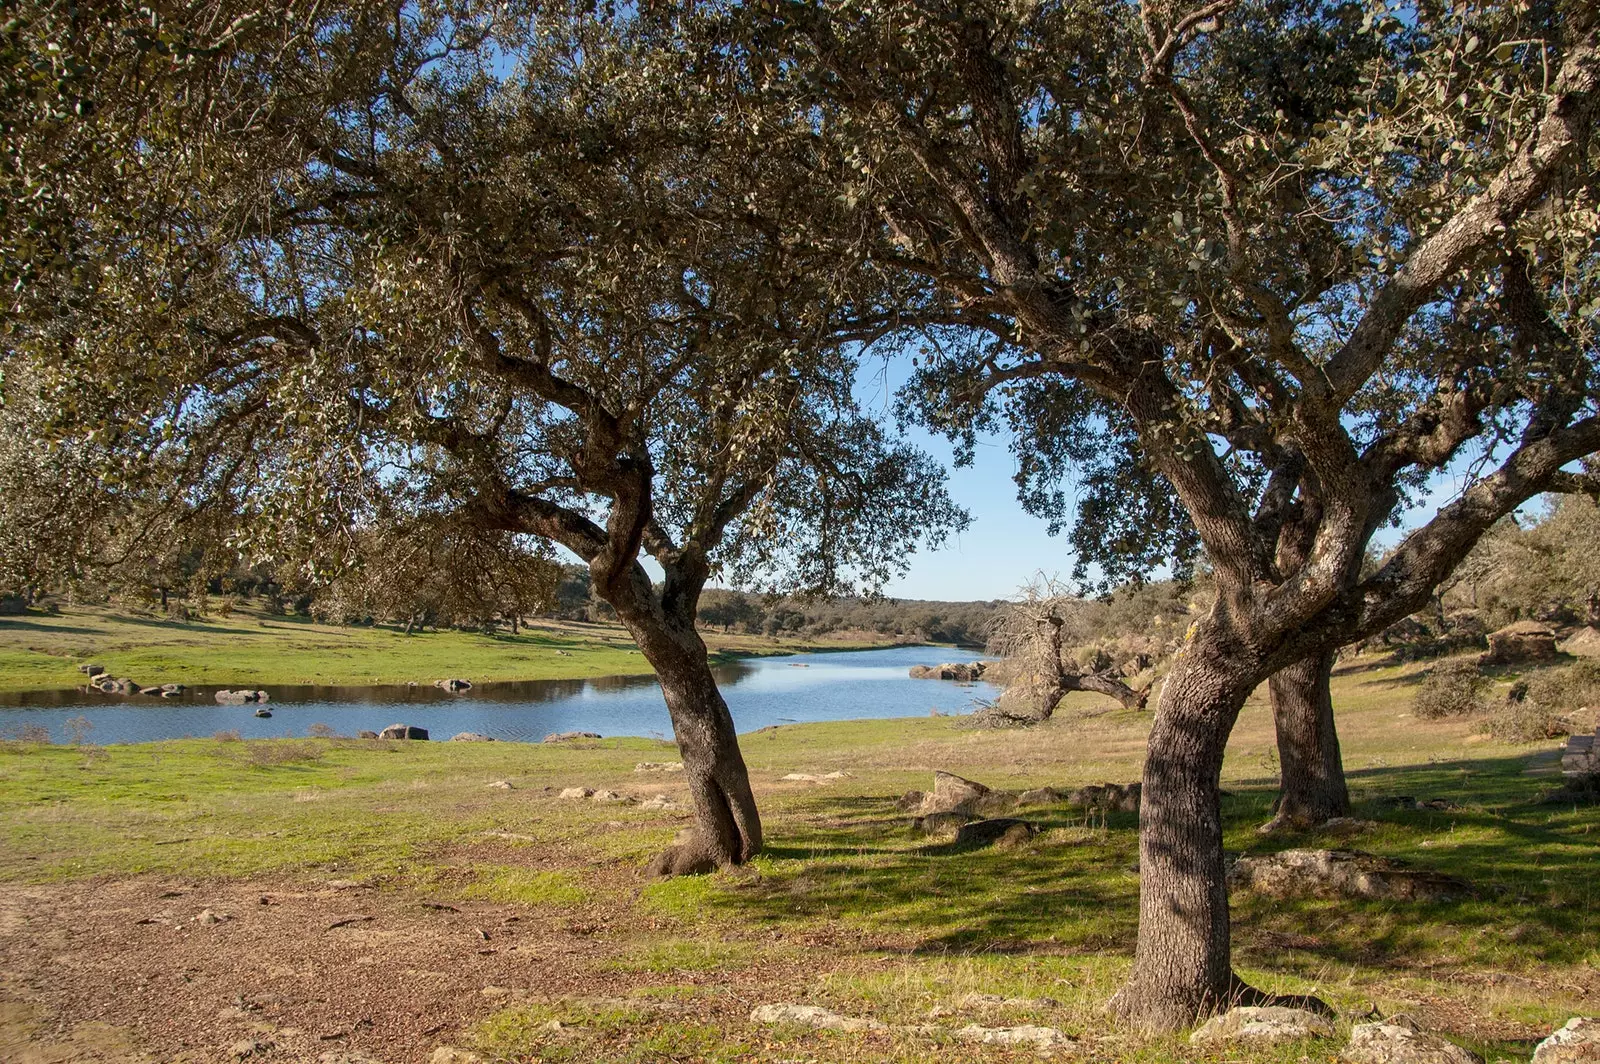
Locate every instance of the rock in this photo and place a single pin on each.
(986, 832)
(173, 688)
(209, 916)
(686, 859)
(91, 671)
(576, 792)
(1581, 756)
(1025, 1035)
(660, 801)
(452, 1055)
(453, 685)
(953, 794)
(811, 1016)
(611, 796)
(1520, 642)
(1578, 1042)
(152, 692)
(910, 801)
(239, 698)
(403, 731)
(1108, 797)
(939, 823)
(263, 713)
(1585, 643)
(1342, 874)
(471, 737)
(1399, 1040)
(659, 766)
(1262, 1026)
(500, 785)
(961, 672)
(1040, 796)
(365, 734)
(568, 736)
(806, 777)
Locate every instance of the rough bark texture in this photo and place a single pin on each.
(1181, 967)
(727, 826)
(1312, 789)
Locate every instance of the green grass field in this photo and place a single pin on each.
(849, 908)
(40, 651)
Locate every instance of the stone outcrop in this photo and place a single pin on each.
(961, 672)
(953, 794)
(403, 731)
(1108, 797)
(1342, 874)
(1004, 831)
(1399, 1040)
(453, 685)
(1264, 1025)
(811, 1016)
(1582, 755)
(1584, 643)
(1577, 1042)
(471, 737)
(238, 698)
(569, 736)
(1520, 642)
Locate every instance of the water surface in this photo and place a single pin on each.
(847, 685)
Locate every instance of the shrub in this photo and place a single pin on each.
(1563, 690)
(1526, 721)
(320, 730)
(78, 729)
(229, 736)
(269, 753)
(1451, 689)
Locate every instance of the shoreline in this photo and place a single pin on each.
(41, 653)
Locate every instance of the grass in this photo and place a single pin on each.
(40, 651)
(849, 908)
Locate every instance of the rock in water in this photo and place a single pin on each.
(1262, 1026)
(453, 685)
(1399, 1040)
(1578, 1042)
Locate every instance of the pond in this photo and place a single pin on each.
(847, 685)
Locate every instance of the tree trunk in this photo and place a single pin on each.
(727, 826)
(1312, 789)
(1181, 966)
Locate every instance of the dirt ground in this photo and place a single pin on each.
(132, 971)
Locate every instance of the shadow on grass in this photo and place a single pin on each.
(1075, 887)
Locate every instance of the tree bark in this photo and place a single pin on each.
(1312, 788)
(1181, 966)
(727, 826)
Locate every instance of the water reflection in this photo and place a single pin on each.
(760, 692)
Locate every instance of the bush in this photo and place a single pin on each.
(320, 730)
(229, 736)
(1451, 689)
(1526, 722)
(1563, 690)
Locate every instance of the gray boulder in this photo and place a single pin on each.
(403, 731)
(91, 671)
(1006, 830)
(364, 734)
(1399, 1040)
(1108, 797)
(1261, 1026)
(453, 685)
(953, 794)
(569, 736)
(1343, 874)
(1578, 1042)
(471, 737)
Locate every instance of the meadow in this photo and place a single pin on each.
(381, 900)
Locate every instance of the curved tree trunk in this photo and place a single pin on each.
(727, 826)
(1312, 790)
(1181, 966)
